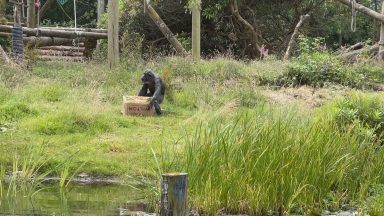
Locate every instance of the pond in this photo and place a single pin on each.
(74, 200)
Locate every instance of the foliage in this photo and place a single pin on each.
(266, 159)
(364, 113)
(316, 67)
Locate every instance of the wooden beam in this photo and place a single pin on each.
(56, 33)
(381, 42)
(73, 29)
(196, 32)
(165, 30)
(361, 8)
(113, 33)
(31, 14)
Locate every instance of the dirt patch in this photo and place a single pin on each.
(307, 96)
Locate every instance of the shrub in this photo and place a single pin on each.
(363, 112)
(316, 67)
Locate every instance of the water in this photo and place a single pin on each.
(74, 200)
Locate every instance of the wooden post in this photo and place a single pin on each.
(31, 14)
(174, 194)
(100, 12)
(17, 14)
(113, 33)
(2, 11)
(165, 30)
(381, 42)
(196, 31)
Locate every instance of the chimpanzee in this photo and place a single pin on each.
(153, 87)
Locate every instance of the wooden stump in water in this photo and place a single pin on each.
(174, 194)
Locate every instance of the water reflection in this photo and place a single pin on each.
(73, 200)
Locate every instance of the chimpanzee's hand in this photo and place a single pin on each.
(150, 105)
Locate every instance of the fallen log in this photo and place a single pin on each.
(58, 53)
(56, 33)
(51, 41)
(64, 48)
(62, 58)
(46, 41)
(353, 55)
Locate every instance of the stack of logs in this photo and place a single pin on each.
(59, 43)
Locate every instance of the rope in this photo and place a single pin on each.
(354, 14)
(38, 5)
(74, 9)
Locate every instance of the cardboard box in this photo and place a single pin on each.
(137, 105)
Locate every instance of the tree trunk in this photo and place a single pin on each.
(45, 7)
(254, 36)
(293, 37)
(165, 30)
(381, 42)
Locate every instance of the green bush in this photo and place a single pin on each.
(364, 113)
(316, 67)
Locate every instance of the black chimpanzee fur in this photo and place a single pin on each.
(153, 87)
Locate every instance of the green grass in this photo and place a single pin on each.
(243, 152)
(270, 159)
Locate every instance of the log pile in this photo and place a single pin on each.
(65, 53)
(354, 52)
(59, 43)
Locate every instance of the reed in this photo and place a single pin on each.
(268, 160)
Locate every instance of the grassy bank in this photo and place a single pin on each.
(251, 139)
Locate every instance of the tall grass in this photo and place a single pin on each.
(268, 160)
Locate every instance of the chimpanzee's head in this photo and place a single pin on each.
(148, 77)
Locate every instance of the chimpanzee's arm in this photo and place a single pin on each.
(143, 91)
(158, 87)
